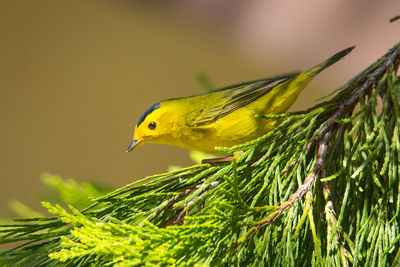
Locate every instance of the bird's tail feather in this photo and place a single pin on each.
(330, 61)
(291, 89)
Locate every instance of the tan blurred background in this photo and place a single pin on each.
(76, 75)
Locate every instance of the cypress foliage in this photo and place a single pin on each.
(321, 189)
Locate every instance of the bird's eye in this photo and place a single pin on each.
(152, 125)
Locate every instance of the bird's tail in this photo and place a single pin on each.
(308, 75)
(286, 93)
(300, 81)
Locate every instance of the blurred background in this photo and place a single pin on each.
(76, 75)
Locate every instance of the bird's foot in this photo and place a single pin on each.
(236, 154)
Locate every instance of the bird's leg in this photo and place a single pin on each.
(236, 154)
(217, 160)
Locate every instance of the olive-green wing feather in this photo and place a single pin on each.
(231, 98)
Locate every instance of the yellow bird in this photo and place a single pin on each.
(224, 117)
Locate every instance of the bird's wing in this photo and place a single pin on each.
(232, 98)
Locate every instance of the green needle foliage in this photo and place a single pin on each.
(321, 189)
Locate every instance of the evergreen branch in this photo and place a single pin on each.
(178, 219)
(331, 216)
(265, 205)
(316, 240)
(304, 188)
(349, 104)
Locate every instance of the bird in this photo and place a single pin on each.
(224, 117)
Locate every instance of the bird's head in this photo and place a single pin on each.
(154, 125)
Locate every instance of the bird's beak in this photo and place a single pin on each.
(133, 144)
